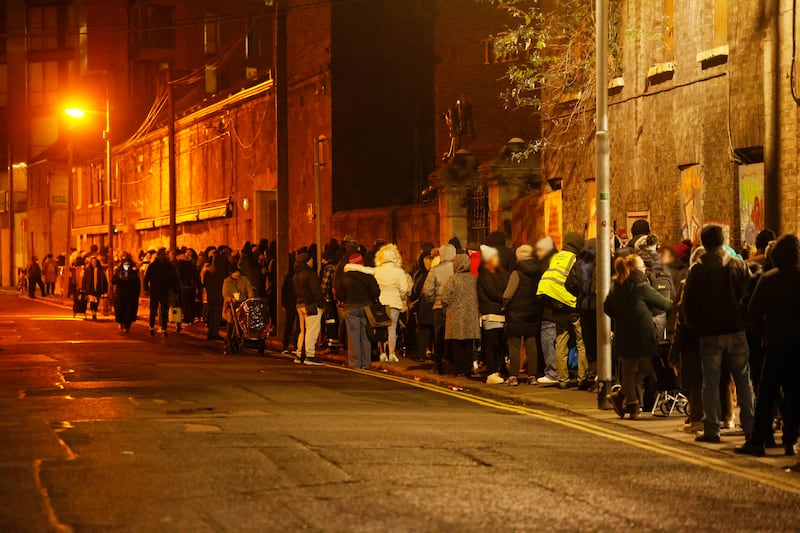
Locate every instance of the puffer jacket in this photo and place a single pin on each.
(460, 300)
(439, 276)
(713, 293)
(391, 277)
(523, 309)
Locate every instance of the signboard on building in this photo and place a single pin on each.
(59, 199)
(751, 201)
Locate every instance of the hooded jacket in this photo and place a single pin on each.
(391, 277)
(439, 275)
(714, 288)
(358, 287)
(460, 300)
(307, 287)
(523, 309)
(490, 290)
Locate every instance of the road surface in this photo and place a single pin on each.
(105, 432)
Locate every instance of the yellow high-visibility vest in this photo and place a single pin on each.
(554, 280)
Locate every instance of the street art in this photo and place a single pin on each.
(751, 201)
(591, 208)
(691, 197)
(553, 216)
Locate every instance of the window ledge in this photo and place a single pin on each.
(661, 72)
(570, 98)
(713, 57)
(616, 85)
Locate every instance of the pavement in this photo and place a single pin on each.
(110, 432)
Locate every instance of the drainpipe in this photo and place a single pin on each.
(772, 118)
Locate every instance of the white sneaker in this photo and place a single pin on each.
(476, 367)
(495, 379)
(297, 361)
(393, 358)
(384, 359)
(312, 361)
(547, 381)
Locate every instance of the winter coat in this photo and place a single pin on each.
(523, 309)
(95, 283)
(357, 288)
(187, 273)
(160, 278)
(714, 289)
(433, 290)
(34, 271)
(232, 286)
(50, 270)
(460, 301)
(248, 266)
(774, 310)
(307, 287)
(630, 304)
(424, 307)
(391, 277)
(490, 291)
(213, 279)
(127, 288)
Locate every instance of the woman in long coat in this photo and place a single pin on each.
(126, 298)
(95, 284)
(462, 318)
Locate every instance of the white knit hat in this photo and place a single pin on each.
(546, 245)
(488, 253)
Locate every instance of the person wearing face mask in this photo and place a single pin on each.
(126, 294)
(631, 303)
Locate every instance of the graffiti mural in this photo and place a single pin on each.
(691, 198)
(553, 216)
(751, 201)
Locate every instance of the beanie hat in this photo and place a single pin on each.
(546, 245)
(683, 250)
(525, 252)
(712, 237)
(640, 227)
(488, 253)
(356, 259)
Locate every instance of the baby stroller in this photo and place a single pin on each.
(669, 398)
(250, 326)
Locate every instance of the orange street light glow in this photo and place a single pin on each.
(75, 112)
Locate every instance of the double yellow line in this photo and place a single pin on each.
(787, 483)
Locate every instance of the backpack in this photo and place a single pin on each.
(663, 283)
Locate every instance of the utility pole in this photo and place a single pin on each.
(109, 190)
(280, 85)
(772, 118)
(603, 174)
(70, 193)
(318, 164)
(12, 272)
(173, 193)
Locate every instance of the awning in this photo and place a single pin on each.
(185, 217)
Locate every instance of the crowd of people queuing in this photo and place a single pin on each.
(723, 323)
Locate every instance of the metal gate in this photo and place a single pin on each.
(478, 214)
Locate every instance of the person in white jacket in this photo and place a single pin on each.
(393, 282)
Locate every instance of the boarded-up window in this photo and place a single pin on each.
(720, 22)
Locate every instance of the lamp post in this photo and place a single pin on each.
(318, 164)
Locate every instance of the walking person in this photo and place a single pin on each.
(774, 314)
(523, 311)
(95, 284)
(34, 275)
(631, 303)
(492, 281)
(160, 284)
(310, 303)
(433, 291)
(213, 277)
(712, 294)
(126, 294)
(462, 322)
(394, 288)
(357, 290)
(50, 273)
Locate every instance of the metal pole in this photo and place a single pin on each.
(109, 192)
(317, 166)
(772, 119)
(282, 147)
(13, 270)
(603, 172)
(173, 193)
(70, 193)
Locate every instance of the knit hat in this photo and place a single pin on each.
(546, 245)
(683, 249)
(488, 253)
(712, 237)
(525, 251)
(356, 259)
(640, 227)
(301, 258)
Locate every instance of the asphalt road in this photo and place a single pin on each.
(104, 432)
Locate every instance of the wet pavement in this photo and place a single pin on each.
(105, 432)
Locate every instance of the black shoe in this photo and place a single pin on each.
(165, 334)
(751, 448)
(178, 328)
(152, 332)
(710, 439)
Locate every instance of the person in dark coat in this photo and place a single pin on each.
(523, 311)
(34, 273)
(423, 308)
(492, 281)
(213, 278)
(774, 313)
(357, 290)
(126, 294)
(95, 284)
(188, 282)
(497, 239)
(310, 303)
(289, 303)
(631, 303)
(161, 284)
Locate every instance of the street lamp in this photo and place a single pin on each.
(79, 113)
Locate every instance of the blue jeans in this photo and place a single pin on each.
(733, 347)
(359, 349)
(549, 349)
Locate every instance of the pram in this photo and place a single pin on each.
(669, 398)
(250, 326)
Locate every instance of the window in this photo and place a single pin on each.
(42, 82)
(720, 22)
(211, 33)
(48, 27)
(669, 28)
(152, 26)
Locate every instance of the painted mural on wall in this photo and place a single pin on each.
(591, 209)
(751, 201)
(553, 216)
(691, 198)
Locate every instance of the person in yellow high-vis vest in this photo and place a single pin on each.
(560, 307)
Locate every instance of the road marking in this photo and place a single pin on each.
(79, 341)
(786, 484)
(55, 523)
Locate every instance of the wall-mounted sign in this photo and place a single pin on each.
(58, 199)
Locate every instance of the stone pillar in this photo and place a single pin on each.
(509, 176)
(453, 183)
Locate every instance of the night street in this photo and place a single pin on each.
(107, 432)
